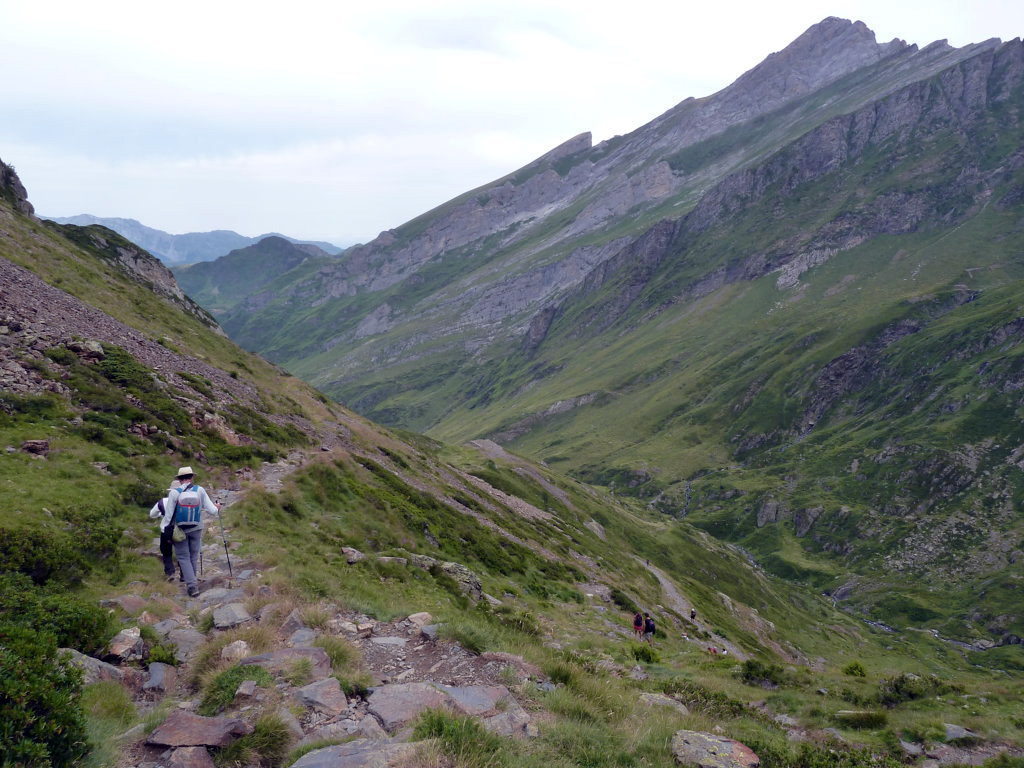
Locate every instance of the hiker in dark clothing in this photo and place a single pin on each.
(638, 625)
(693, 614)
(166, 544)
(649, 629)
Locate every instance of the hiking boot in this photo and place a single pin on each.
(193, 591)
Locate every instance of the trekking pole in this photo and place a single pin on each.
(224, 538)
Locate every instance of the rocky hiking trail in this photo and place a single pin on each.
(408, 668)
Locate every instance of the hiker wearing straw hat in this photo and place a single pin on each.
(183, 515)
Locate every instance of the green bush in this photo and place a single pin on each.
(341, 652)
(781, 755)
(908, 687)
(756, 672)
(696, 696)
(40, 698)
(221, 690)
(644, 653)
(862, 719)
(267, 745)
(72, 621)
(855, 669)
(463, 740)
(624, 601)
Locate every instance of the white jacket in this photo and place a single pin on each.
(172, 501)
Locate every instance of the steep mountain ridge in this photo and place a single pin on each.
(728, 354)
(185, 248)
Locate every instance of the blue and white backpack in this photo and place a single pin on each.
(189, 509)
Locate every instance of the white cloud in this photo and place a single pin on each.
(341, 119)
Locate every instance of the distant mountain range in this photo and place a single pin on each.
(182, 249)
(789, 311)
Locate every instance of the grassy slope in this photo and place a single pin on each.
(385, 491)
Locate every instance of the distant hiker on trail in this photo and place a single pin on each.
(648, 629)
(166, 544)
(693, 614)
(183, 515)
(638, 625)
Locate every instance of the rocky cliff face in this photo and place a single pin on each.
(13, 190)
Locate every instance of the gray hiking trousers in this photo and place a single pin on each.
(187, 552)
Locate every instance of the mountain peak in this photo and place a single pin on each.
(823, 53)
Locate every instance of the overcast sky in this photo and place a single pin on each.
(335, 120)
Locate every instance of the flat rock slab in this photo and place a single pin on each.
(183, 729)
(389, 640)
(324, 696)
(221, 595)
(523, 666)
(661, 700)
(361, 753)
(705, 750)
(282, 659)
(127, 645)
(477, 700)
(186, 642)
(396, 705)
(190, 757)
(513, 721)
(301, 637)
(230, 615)
(93, 670)
(165, 626)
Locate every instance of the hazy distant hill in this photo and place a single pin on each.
(182, 249)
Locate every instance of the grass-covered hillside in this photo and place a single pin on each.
(108, 388)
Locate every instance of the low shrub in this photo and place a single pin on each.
(696, 696)
(754, 672)
(870, 719)
(341, 652)
(644, 653)
(855, 669)
(908, 687)
(109, 700)
(300, 672)
(781, 755)
(221, 691)
(624, 601)
(463, 740)
(35, 680)
(73, 621)
(267, 745)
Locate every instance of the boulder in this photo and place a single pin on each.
(420, 619)
(162, 678)
(186, 642)
(364, 629)
(393, 560)
(512, 722)
(290, 722)
(352, 556)
(395, 641)
(127, 645)
(87, 350)
(282, 659)
(660, 700)
(478, 700)
(190, 757)
(397, 705)
(430, 632)
(293, 622)
(246, 690)
(324, 696)
(235, 651)
(165, 626)
(230, 615)
(131, 604)
(36, 447)
(468, 581)
(301, 637)
(705, 750)
(339, 626)
(184, 729)
(93, 670)
(361, 753)
(958, 732)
